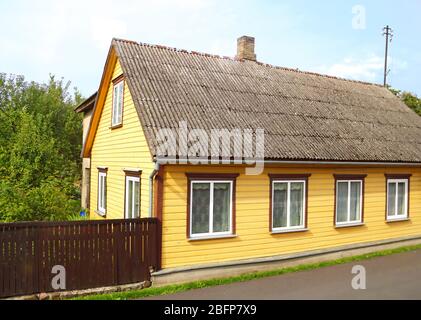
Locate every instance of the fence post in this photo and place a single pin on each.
(158, 236)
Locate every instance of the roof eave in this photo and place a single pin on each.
(87, 105)
(165, 160)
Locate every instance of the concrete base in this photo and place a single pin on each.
(240, 267)
(81, 293)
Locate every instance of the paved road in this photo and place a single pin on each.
(392, 277)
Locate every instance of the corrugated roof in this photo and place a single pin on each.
(305, 116)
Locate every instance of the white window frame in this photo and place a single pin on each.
(117, 113)
(102, 210)
(349, 222)
(211, 234)
(396, 216)
(131, 197)
(289, 228)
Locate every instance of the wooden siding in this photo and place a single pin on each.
(252, 219)
(119, 149)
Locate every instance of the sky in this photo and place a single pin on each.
(70, 39)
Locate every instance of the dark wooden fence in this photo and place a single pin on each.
(93, 253)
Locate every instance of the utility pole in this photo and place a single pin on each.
(388, 32)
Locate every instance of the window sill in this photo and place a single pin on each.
(207, 238)
(351, 225)
(117, 126)
(398, 220)
(101, 214)
(275, 232)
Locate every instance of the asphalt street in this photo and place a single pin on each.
(391, 277)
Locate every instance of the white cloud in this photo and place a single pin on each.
(357, 69)
(369, 68)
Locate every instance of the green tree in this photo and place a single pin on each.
(40, 142)
(410, 99)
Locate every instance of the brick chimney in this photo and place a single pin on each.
(245, 48)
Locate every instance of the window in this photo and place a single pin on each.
(288, 202)
(349, 200)
(397, 197)
(102, 192)
(132, 206)
(211, 206)
(118, 96)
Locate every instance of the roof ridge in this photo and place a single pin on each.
(267, 65)
(159, 46)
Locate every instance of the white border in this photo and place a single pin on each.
(211, 234)
(349, 222)
(101, 193)
(396, 216)
(116, 102)
(302, 227)
(133, 179)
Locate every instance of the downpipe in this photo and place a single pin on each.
(151, 187)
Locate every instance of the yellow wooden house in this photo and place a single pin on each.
(340, 168)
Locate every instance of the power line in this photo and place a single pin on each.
(388, 32)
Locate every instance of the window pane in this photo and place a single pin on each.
(120, 102)
(280, 203)
(355, 201)
(102, 194)
(115, 103)
(297, 204)
(102, 191)
(130, 200)
(221, 207)
(136, 200)
(342, 202)
(200, 208)
(105, 193)
(391, 196)
(401, 198)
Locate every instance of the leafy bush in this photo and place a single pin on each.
(40, 143)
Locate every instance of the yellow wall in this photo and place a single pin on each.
(252, 215)
(118, 149)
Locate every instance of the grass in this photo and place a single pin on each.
(171, 289)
